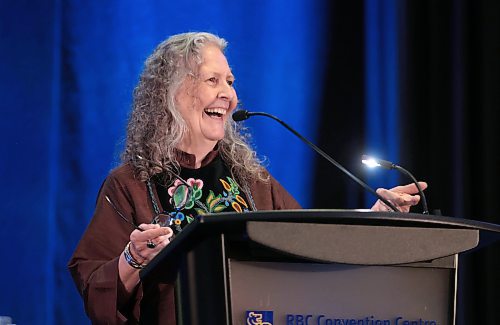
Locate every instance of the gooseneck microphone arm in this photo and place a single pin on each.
(390, 165)
(242, 115)
(425, 210)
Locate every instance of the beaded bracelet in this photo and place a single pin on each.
(130, 259)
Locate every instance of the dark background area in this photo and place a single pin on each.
(449, 54)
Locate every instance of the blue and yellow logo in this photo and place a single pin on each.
(259, 317)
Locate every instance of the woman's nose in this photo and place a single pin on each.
(226, 92)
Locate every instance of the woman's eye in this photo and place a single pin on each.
(230, 83)
(212, 80)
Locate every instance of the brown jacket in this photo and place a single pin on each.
(94, 264)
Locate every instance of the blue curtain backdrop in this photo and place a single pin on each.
(68, 69)
(381, 89)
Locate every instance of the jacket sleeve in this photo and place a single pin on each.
(271, 195)
(282, 200)
(94, 264)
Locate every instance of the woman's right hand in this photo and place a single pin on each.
(152, 233)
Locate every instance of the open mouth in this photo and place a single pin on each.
(215, 112)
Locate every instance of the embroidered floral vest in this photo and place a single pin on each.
(209, 189)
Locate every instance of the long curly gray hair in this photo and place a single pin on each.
(155, 125)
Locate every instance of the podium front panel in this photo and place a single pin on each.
(312, 293)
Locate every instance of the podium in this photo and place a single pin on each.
(318, 267)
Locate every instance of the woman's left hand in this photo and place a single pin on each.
(403, 197)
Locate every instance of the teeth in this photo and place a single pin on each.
(220, 111)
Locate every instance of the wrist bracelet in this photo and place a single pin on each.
(130, 259)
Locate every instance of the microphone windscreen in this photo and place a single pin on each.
(240, 115)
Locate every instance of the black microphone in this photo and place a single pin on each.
(370, 161)
(242, 115)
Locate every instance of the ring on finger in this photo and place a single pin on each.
(150, 244)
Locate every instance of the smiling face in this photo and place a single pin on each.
(207, 101)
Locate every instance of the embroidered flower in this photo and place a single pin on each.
(234, 186)
(172, 188)
(179, 216)
(226, 185)
(236, 207)
(241, 200)
(187, 195)
(184, 196)
(214, 202)
(231, 195)
(195, 183)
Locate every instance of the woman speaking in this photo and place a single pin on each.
(184, 157)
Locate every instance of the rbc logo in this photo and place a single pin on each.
(259, 317)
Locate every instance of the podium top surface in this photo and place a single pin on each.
(223, 221)
(358, 217)
(237, 223)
